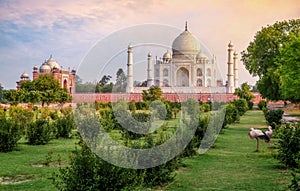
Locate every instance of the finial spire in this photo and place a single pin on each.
(185, 25)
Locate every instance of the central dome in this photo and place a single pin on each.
(185, 44)
(52, 63)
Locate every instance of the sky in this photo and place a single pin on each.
(30, 30)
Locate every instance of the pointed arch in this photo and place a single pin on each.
(182, 77)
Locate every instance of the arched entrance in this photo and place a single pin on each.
(65, 84)
(182, 77)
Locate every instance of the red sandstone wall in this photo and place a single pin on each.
(137, 97)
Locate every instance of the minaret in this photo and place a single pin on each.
(149, 71)
(230, 86)
(235, 68)
(129, 70)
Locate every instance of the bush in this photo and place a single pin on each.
(295, 183)
(194, 144)
(21, 116)
(132, 106)
(205, 107)
(241, 105)
(10, 134)
(289, 147)
(262, 104)
(89, 172)
(273, 117)
(63, 126)
(141, 116)
(231, 115)
(39, 132)
(250, 105)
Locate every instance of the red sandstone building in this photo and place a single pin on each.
(51, 67)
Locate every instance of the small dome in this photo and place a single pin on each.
(149, 54)
(201, 55)
(230, 44)
(35, 67)
(167, 55)
(52, 63)
(185, 44)
(45, 68)
(24, 76)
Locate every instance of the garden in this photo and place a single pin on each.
(45, 149)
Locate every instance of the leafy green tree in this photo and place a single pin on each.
(103, 86)
(262, 55)
(15, 96)
(45, 89)
(290, 70)
(1, 93)
(33, 96)
(86, 87)
(45, 82)
(152, 94)
(244, 92)
(121, 84)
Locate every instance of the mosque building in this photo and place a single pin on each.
(187, 69)
(65, 78)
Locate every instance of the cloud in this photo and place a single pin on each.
(32, 30)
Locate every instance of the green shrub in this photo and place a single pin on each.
(10, 134)
(39, 132)
(63, 126)
(295, 183)
(54, 115)
(250, 105)
(141, 116)
(21, 116)
(231, 115)
(160, 110)
(89, 172)
(205, 107)
(194, 144)
(289, 147)
(241, 105)
(273, 117)
(262, 104)
(132, 106)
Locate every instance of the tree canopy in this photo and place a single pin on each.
(120, 85)
(244, 92)
(263, 56)
(45, 89)
(290, 70)
(1, 93)
(152, 94)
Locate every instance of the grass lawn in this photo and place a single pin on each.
(25, 168)
(233, 164)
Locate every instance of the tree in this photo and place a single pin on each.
(14, 96)
(1, 93)
(244, 92)
(102, 85)
(152, 94)
(46, 89)
(140, 84)
(290, 70)
(262, 55)
(121, 84)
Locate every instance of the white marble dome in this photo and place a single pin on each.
(185, 44)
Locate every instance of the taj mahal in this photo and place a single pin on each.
(186, 69)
